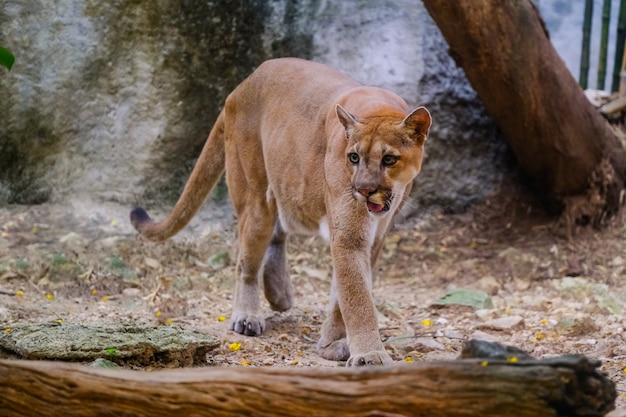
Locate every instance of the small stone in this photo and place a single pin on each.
(131, 292)
(503, 323)
(487, 337)
(152, 263)
(488, 284)
(103, 363)
(521, 284)
(574, 284)
(109, 242)
(485, 314)
(427, 344)
(73, 240)
(454, 334)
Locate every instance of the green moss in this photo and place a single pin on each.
(22, 263)
(59, 259)
(117, 263)
(119, 267)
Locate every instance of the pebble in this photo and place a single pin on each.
(152, 263)
(426, 344)
(487, 337)
(503, 323)
(488, 284)
(131, 292)
(73, 241)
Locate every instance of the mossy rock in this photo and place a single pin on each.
(124, 344)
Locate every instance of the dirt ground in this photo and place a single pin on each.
(82, 263)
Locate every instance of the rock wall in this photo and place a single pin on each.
(112, 101)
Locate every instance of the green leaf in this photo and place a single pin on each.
(219, 260)
(472, 298)
(6, 58)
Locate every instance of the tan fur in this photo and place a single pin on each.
(286, 138)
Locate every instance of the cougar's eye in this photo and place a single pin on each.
(353, 157)
(389, 160)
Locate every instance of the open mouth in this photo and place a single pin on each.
(377, 208)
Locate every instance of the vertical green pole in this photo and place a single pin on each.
(604, 40)
(619, 46)
(584, 59)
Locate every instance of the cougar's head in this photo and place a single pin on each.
(385, 154)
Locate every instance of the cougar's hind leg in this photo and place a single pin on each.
(276, 283)
(247, 186)
(255, 232)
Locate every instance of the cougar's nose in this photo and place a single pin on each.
(366, 191)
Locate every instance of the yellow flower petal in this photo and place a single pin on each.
(408, 359)
(234, 346)
(19, 294)
(221, 318)
(49, 296)
(512, 359)
(427, 322)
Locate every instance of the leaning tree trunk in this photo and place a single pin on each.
(560, 140)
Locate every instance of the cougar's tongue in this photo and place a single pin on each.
(373, 207)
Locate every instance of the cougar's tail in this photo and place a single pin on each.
(208, 170)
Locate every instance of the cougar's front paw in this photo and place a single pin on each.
(335, 351)
(376, 357)
(247, 324)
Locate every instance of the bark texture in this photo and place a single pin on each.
(567, 386)
(558, 137)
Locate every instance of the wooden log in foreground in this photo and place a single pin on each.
(565, 386)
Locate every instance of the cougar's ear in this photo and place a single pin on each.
(349, 121)
(418, 123)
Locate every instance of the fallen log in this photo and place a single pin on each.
(506, 385)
